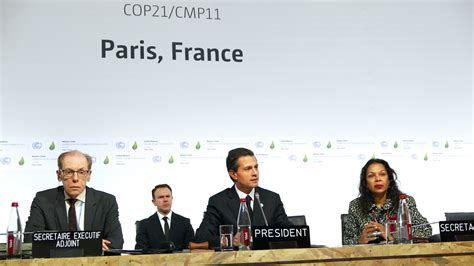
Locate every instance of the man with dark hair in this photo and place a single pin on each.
(164, 225)
(74, 206)
(223, 208)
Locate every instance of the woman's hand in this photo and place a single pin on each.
(369, 228)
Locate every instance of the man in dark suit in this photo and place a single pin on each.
(223, 208)
(74, 206)
(164, 225)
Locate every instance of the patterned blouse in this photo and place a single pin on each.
(356, 219)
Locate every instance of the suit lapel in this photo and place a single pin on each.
(60, 210)
(175, 228)
(90, 210)
(157, 229)
(233, 203)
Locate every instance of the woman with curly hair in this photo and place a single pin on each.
(377, 202)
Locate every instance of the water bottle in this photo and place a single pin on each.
(14, 235)
(243, 226)
(405, 235)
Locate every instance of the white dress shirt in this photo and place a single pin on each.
(80, 206)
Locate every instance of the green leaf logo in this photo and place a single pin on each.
(426, 157)
(329, 145)
(272, 146)
(395, 145)
(135, 146)
(446, 145)
(52, 146)
(305, 159)
(198, 145)
(171, 160)
(106, 160)
(22, 161)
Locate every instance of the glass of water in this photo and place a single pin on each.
(391, 232)
(226, 232)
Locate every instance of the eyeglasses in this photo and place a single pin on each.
(69, 173)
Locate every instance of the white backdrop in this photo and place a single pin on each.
(329, 83)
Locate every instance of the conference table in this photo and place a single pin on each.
(456, 253)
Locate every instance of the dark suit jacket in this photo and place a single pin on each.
(48, 212)
(150, 233)
(223, 208)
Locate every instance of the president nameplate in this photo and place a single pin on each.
(275, 237)
(456, 231)
(66, 244)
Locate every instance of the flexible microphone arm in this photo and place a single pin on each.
(257, 197)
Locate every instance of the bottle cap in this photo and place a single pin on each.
(243, 200)
(403, 196)
(14, 204)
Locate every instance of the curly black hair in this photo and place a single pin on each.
(365, 196)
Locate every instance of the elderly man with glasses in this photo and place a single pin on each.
(74, 206)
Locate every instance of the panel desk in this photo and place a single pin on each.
(457, 253)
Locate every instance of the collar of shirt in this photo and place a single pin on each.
(381, 214)
(243, 195)
(387, 205)
(81, 197)
(160, 217)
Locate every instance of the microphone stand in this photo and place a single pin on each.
(257, 197)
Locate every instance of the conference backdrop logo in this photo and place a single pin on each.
(272, 146)
(259, 144)
(120, 145)
(156, 159)
(36, 145)
(184, 145)
(6, 160)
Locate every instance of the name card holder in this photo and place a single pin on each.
(451, 231)
(66, 244)
(276, 237)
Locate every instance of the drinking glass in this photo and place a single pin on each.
(391, 230)
(226, 231)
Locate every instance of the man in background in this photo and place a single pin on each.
(74, 206)
(164, 225)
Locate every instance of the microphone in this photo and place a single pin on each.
(257, 197)
(425, 224)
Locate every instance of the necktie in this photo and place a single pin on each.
(167, 228)
(248, 200)
(72, 214)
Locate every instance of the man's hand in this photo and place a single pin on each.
(105, 244)
(235, 240)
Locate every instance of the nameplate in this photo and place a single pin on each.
(66, 244)
(456, 230)
(274, 237)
